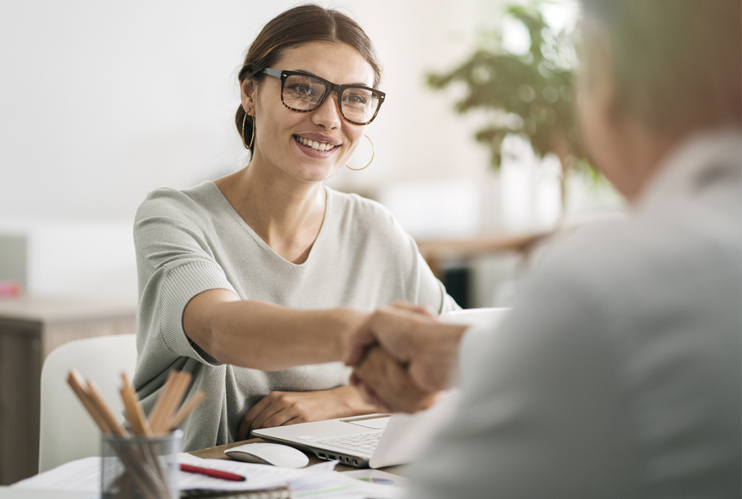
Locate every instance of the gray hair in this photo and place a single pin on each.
(677, 63)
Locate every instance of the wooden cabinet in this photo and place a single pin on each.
(30, 328)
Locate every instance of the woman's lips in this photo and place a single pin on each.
(315, 148)
(318, 144)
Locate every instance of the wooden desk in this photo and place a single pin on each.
(218, 453)
(30, 328)
(437, 251)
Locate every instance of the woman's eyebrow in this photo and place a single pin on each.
(359, 84)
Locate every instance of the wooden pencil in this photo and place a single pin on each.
(136, 461)
(135, 414)
(173, 395)
(79, 386)
(185, 409)
(105, 411)
(184, 380)
(156, 414)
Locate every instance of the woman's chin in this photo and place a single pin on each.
(316, 170)
(313, 173)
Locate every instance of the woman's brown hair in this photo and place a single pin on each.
(302, 24)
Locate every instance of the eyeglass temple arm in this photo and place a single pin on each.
(273, 72)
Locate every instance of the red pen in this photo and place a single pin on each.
(224, 475)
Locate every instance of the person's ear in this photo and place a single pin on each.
(248, 95)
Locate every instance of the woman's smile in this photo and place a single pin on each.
(323, 139)
(317, 145)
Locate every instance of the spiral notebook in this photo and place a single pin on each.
(281, 492)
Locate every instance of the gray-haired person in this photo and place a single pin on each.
(617, 373)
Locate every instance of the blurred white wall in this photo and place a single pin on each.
(102, 102)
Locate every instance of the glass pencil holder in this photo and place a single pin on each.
(138, 467)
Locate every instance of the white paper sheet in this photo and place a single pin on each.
(377, 476)
(13, 493)
(334, 485)
(315, 482)
(258, 476)
(82, 475)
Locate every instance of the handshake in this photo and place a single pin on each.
(402, 357)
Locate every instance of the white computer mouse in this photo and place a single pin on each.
(266, 453)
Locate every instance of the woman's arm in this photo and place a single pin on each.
(260, 335)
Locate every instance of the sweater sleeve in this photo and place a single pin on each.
(432, 292)
(175, 263)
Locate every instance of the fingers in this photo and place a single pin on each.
(281, 408)
(368, 394)
(247, 420)
(372, 398)
(261, 413)
(243, 430)
(287, 415)
(393, 327)
(437, 360)
(387, 384)
(357, 345)
(418, 309)
(368, 335)
(429, 378)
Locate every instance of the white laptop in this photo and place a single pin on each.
(378, 440)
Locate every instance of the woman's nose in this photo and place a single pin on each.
(328, 114)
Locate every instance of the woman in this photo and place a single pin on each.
(253, 282)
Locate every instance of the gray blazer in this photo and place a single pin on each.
(617, 374)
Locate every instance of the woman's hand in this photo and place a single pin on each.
(386, 384)
(284, 408)
(426, 348)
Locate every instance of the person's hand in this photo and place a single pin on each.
(387, 384)
(285, 408)
(427, 348)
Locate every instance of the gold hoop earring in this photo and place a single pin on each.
(252, 139)
(373, 152)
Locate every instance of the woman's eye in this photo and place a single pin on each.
(301, 89)
(355, 100)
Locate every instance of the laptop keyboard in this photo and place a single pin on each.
(366, 442)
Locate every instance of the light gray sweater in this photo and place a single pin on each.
(193, 240)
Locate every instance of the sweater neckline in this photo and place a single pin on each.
(229, 209)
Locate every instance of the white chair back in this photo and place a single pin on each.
(67, 431)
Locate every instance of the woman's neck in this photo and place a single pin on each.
(287, 214)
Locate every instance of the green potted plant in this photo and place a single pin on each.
(531, 94)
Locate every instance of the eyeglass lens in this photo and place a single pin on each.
(305, 93)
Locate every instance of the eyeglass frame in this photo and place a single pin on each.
(330, 86)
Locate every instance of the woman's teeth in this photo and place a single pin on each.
(317, 146)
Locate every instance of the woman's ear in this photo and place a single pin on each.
(248, 95)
